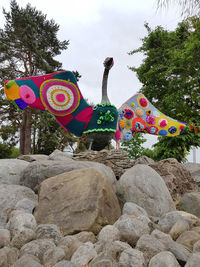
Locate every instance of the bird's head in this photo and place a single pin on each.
(108, 63)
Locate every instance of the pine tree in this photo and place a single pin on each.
(28, 46)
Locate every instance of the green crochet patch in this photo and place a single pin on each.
(104, 118)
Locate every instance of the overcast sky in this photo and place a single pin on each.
(98, 29)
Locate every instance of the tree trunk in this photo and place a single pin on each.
(25, 132)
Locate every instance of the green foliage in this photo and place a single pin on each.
(134, 146)
(49, 135)
(7, 151)
(177, 147)
(28, 47)
(170, 77)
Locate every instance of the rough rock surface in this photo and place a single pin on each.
(10, 170)
(144, 186)
(22, 228)
(9, 197)
(37, 248)
(164, 259)
(117, 159)
(131, 257)
(194, 169)
(177, 178)
(38, 171)
(27, 261)
(190, 202)
(34, 157)
(150, 246)
(131, 229)
(80, 200)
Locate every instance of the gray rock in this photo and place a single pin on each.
(194, 169)
(164, 259)
(38, 171)
(188, 239)
(85, 237)
(178, 228)
(52, 256)
(162, 237)
(143, 160)
(59, 155)
(69, 244)
(103, 260)
(196, 247)
(26, 205)
(4, 238)
(48, 231)
(150, 246)
(116, 248)
(181, 253)
(117, 159)
(22, 228)
(27, 261)
(145, 187)
(168, 220)
(64, 264)
(37, 248)
(75, 211)
(131, 229)
(109, 233)
(35, 157)
(177, 178)
(193, 261)
(10, 170)
(9, 197)
(84, 254)
(131, 208)
(8, 256)
(131, 257)
(190, 202)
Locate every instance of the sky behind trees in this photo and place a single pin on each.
(98, 29)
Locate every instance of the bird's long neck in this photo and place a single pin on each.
(104, 87)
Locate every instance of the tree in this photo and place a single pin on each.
(170, 75)
(28, 46)
(134, 146)
(187, 7)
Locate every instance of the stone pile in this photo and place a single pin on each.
(58, 211)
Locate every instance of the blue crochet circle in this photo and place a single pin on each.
(162, 132)
(172, 129)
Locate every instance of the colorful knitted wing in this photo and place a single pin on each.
(139, 115)
(57, 93)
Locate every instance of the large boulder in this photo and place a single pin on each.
(10, 170)
(144, 187)
(38, 171)
(177, 178)
(10, 195)
(80, 200)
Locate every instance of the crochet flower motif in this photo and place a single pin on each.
(106, 117)
(128, 113)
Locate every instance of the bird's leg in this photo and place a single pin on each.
(90, 144)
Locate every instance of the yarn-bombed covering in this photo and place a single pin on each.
(139, 115)
(57, 93)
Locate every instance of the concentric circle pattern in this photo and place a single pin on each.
(59, 97)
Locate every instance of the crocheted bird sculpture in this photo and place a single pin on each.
(58, 93)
